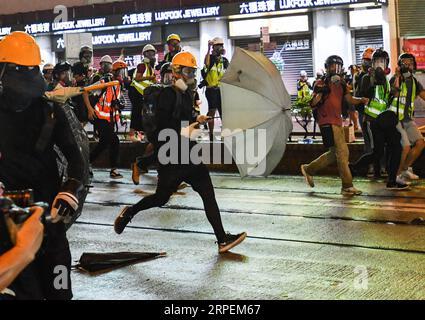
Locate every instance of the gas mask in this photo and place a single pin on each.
(218, 50)
(366, 63)
(380, 70)
(174, 46)
(334, 71)
(167, 79)
(86, 57)
(106, 67)
(20, 85)
(406, 68)
(188, 80)
(149, 58)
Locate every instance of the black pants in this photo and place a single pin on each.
(388, 138)
(170, 177)
(136, 110)
(107, 139)
(213, 96)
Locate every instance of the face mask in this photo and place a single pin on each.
(86, 58)
(335, 79)
(167, 79)
(21, 87)
(380, 75)
(106, 68)
(181, 85)
(172, 47)
(367, 63)
(335, 70)
(219, 51)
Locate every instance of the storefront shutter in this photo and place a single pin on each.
(367, 38)
(411, 17)
(291, 54)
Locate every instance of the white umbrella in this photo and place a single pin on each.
(256, 112)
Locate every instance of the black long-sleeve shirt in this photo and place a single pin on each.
(21, 166)
(169, 115)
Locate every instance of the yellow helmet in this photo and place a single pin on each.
(184, 59)
(173, 36)
(20, 48)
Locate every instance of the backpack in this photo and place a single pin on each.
(150, 102)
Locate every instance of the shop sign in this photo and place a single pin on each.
(417, 48)
(5, 30)
(187, 13)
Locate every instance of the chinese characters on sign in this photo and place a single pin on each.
(137, 18)
(296, 45)
(257, 6)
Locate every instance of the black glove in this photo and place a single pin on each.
(66, 202)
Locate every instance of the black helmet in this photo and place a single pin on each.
(334, 59)
(85, 49)
(60, 67)
(380, 53)
(79, 69)
(166, 67)
(407, 56)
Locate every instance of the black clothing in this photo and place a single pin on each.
(24, 166)
(107, 139)
(136, 99)
(213, 96)
(381, 138)
(169, 114)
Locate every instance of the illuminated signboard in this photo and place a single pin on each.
(5, 30)
(257, 6)
(187, 13)
(136, 18)
(301, 4)
(78, 24)
(117, 38)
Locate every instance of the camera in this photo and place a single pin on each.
(202, 84)
(117, 105)
(16, 205)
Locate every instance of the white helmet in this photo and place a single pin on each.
(303, 73)
(106, 58)
(148, 47)
(217, 40)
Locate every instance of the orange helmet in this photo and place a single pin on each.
(367, 53)
(119, 64)
(20, 48)
(184, 59)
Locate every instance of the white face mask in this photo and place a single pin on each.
(180, 84)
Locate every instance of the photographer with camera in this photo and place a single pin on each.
(328, 96)
(30, 129)
(215, 67)
(405, 88)
(107, 115)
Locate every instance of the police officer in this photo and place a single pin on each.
(175, 105)
(29, 129)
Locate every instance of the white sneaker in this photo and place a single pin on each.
(308, 178)
(400, 179)
(409, 175)
(350, 191)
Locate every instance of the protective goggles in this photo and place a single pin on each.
(188, 72)
(379, 63)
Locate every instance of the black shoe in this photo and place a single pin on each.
(114, 174)
(123, 219)
(397, 186)
(230, 241)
